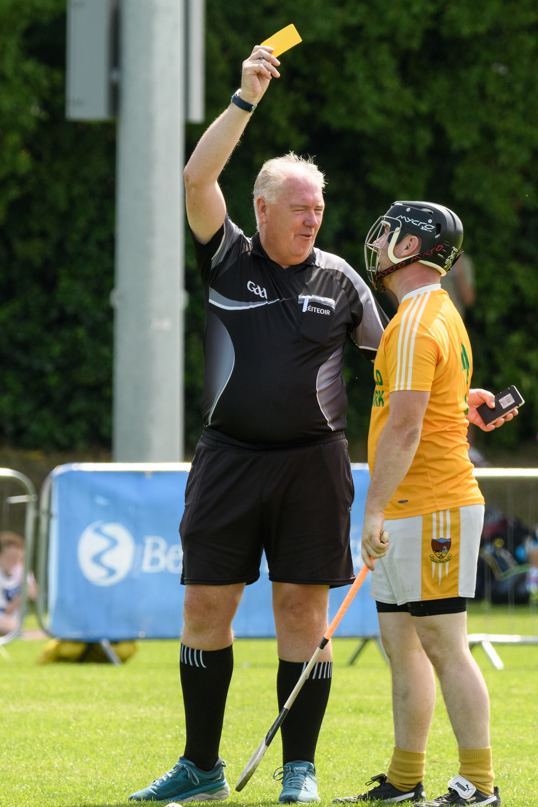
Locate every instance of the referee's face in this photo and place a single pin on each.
(289, 226)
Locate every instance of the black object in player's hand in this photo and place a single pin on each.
(505, 402)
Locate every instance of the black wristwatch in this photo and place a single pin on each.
(242, 104)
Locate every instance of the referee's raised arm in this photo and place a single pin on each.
(206, 207)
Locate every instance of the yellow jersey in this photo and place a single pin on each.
(426, 347)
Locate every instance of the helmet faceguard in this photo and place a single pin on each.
(439, 229)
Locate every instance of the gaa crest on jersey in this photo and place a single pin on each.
(441, 550)
(259, 290)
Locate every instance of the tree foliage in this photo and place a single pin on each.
(56, 244)
(415, 99)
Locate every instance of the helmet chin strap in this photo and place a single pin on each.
(408, 261)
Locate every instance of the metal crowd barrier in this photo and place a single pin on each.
(28, 498)
(49, 510)
(515, 492)
(109, 557)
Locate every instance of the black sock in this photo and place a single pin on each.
(302, 725)
(205, 678)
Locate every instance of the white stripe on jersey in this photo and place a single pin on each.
(412, 348)
(408, 331)
(402, 343)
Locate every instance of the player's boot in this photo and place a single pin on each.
(298, 782)
(185, 782)
(384, 791)
(462, 792)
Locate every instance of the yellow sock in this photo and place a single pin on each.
(476, 765)
(406, 769)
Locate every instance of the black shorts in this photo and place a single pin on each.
(294, 503)
(449, 605)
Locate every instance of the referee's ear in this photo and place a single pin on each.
(261, 208)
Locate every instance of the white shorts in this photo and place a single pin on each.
(431, 557)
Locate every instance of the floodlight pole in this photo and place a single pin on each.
(149, 296)
(161, 84)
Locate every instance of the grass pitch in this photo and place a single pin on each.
(89, 735)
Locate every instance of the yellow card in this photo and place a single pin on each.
(283, 40)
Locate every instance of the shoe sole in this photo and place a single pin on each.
(484, 803)
(220, 795)
(393, 800)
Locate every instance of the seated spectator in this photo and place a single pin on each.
(510, 549)
(11, 575)
(527, 552)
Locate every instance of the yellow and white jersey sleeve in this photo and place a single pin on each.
(412, 351)
(426, 347)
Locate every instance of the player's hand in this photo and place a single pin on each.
(258, 70)
(375, 540)
(476, 398)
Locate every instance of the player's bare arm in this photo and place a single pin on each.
(476, 398)
(206, 207)
(395, 451)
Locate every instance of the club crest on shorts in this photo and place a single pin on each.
(441, 547)
(441, 543)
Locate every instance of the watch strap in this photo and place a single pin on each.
(241, 103)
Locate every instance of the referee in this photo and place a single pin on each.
(271, 471)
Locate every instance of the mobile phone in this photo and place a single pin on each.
(505, 402)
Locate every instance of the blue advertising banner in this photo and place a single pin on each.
(115, 557)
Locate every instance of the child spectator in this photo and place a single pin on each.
(11, 575)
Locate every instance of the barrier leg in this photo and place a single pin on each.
(356, 653)
(490, 652)
(110, 653)
(493, 656)
(362, 644)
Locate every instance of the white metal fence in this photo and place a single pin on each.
(515, 492)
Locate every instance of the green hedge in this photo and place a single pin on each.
(56, 244)
(415, 99)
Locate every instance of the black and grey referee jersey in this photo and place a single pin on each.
(274, 340)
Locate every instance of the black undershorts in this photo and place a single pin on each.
(294, 503)
(449, 605)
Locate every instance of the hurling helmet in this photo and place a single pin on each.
(439, 229)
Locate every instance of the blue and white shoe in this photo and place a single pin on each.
(185, 782)
(298, 782)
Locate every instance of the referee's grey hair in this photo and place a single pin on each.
(269, 182)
